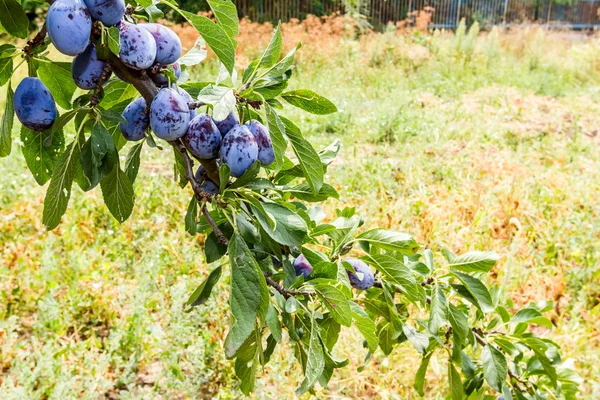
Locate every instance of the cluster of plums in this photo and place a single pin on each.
(361, 279)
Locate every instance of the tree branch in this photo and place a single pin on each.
(36, 41)
(196, 104)
(283, 291)
(99, 86)
(221, 238)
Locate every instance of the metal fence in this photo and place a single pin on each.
(574, 14)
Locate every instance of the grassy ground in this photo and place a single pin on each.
(469, 142)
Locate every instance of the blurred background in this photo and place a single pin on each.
(473, 126)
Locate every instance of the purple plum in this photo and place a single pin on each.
(239, 150)
(169, 115)
(69, 26)
(201, 175)
(87, 69)
(266, 155)
(34, 105)
(109, 12)
(188, 99)
(302, 266)
(138, 47)
(160, 78)
(168, 45)
(228, 123)
(363, 278)
(137, 120)
(203, 138)
(210, 187)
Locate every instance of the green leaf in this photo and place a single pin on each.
(191, 216)
(397, 273)
(117, 191)
(114, 40)
(419, 340)
(283, 65)
(13, 18)
(41, 150)
(98, 155)
(506, 393)
(227, 16)
(248, 294)
(310, 101)
(216, 36)
(303, 192)
(474, 261)
(335, 301)
(248, 176)
(315, 362)
(390, 240)
(6, 69)
(57, 78)
(195, 56)
(307, 156)
(274, 323)
(365, 325)
(221, 98)
(290, 229)
(531, 316)
(202, 293)
(271, 54)
(179, 171)
(495, 368)
(456, 388)
(246, 362)
(458, 321)
(7, 123)
(478, 290)
(59, 191)
(420, 377)
(117, 92)
(277, 132)
(386, 337)
(439, 309)
(132, 162)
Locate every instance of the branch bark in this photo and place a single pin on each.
(283, 291)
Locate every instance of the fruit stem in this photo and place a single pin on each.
(36, 41)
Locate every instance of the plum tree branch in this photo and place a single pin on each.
(38, 39)
(283, 291)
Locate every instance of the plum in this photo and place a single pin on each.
(302, 266)
(228, 123)
(203, 138)
(109, 12)
(34, 105)
(201, 175)
(87, 69)
(169, 115)
(137, 120)
(168, 45)
(160, 78)
(69, 26)
(239, 150)
(363, 278)
(210, 187)
(188, 99)
(266, 155)
(138, 47)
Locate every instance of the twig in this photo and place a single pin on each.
(99, 86)
(36, 41)
(218, 233)
(283, 291)
(200, 194)
(426, 282)
(196, 104)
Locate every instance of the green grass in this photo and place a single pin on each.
(468, 142)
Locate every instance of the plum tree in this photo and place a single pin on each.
(136, 120)
(86, 69)
(256, 203)
(168, 44)
(69, 26)
(138, 47)
(203, 139)
(169, 115)
(109, 12)
(362, 278)
(239, 150)
(228, 123)
(302, 266)
(34, 105)
(266, 154)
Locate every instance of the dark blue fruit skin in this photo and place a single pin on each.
(87, 69)
(239, 150)
(266, 155)
(161, 80)
(137, 120)
(138, 47)
(168, 44)
(368, 278)
(201, 175)
(34, 105)
(203, 139)
(169, 115)
(228, 123)
(210, 187)
(188, 99)
(69, 26)
(109, 12)
(302, 266)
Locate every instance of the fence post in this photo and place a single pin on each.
(505, 10)
(458, 14)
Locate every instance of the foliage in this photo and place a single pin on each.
(261, 222)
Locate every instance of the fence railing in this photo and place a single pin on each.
(574, 14)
